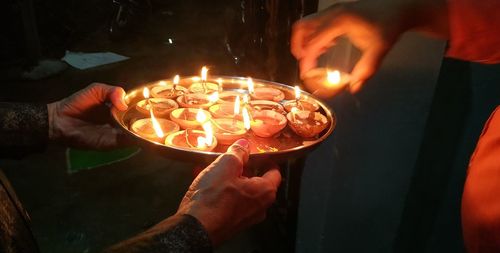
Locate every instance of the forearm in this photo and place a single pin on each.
(23, 129)
(178, 233)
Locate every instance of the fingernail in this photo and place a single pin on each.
(243, 142)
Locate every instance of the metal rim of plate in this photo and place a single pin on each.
(229, 83)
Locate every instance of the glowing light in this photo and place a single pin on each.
(145, 92)
(176, 79)
(201, 142)
(333, 77)
(207, 127)
(162, 83)
(245, 99)
(204, 73)
(236, 105)
(200, 116)
(219, 81)
(195, 78)
(250, 85)
(297, 92)
(156, 124)
(213, 97)
(246, 118)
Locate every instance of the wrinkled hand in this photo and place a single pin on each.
(76, 120)
(372, 26)
(224, 201)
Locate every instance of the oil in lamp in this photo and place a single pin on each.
(267, 123)
(161, 106)
(170, 91)
(229, 96)
(191, 139)
(154, 129)
(186, 117)
(326, 83)
(198, 100)
(264, 93)
(300, 103)
(260, 105)
(306, 123)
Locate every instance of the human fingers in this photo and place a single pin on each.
(227, 166)
(367, 65)
(300, 31)
(97, 94)
(318, 43)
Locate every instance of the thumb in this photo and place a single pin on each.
(230, 164)
(366, 67)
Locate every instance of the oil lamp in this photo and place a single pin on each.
(197, 100)
(191, 139)
(227, 130)
(264, 93)
(203, 86)
(267, 123)
(228, 96)
(170, 91)
(154, 129)
(300, 102)
(326, 83)
(161, 106)
(260, 105)
(186, 117)
(306, 124)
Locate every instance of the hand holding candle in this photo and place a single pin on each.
(326, 83)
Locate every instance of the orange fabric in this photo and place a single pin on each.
(474, 30)
(481, 197)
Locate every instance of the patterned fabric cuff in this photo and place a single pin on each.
(23, 129)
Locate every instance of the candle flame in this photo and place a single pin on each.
(209, 133)
(201, 117)
(201, 143)
(250, 85)
(156, 124)
(297, 92)
(213, 97)
(145, 92)
(162, 83)
(246, 118)
(333, 77)
(204, 72)
(294, 111)
(176, 79)
(219, 81)
(236, 105)
(245, 99)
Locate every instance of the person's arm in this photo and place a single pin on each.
(474, 30)
(26, 128)
(219, 203)
(178, 233)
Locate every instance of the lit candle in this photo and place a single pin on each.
(206, 125)
(176, 82)
(246, 119)
(156, 125)
(301, 103)
(305, 123)
(250, 85)
(267, 123)
(204, 73)
(324, 82)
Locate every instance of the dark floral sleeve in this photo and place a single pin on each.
(23, 129)
(177, 234)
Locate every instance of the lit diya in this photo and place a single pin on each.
(260, 105)
(197, 100)
(306, 123)
(161, 106)
(186, 117)
(203, 86)
(227, 131)
(264, 93)
(326, 83)
(267, 123)
(154, 129)
(191, 139)
(301, 103)
(170, 91)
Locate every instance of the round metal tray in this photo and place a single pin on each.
(124, 119)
